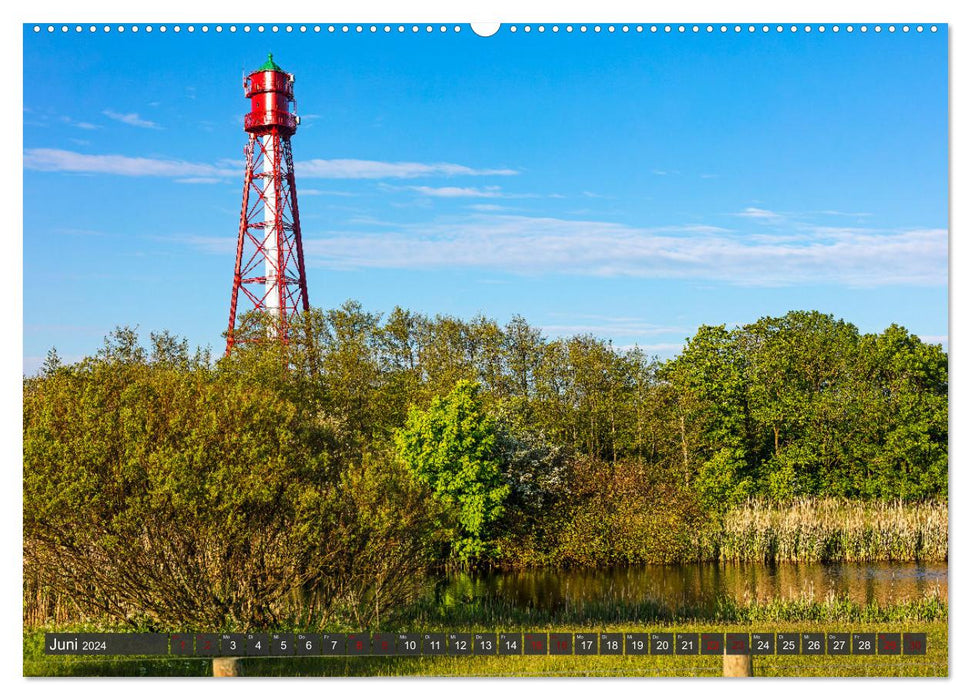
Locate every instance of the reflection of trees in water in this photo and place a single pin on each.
(700, 584)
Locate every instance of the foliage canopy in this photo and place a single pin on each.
(163, 487)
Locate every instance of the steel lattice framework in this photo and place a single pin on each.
(270, 275)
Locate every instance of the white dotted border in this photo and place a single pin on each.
(512, 28)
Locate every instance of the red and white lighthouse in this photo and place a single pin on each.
(270, 274)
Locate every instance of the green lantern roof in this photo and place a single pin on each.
(270, 65)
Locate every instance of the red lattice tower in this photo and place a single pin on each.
(270, 274)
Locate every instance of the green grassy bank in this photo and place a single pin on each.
(927, 615)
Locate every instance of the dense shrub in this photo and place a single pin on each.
(624, 514)
(167, 492)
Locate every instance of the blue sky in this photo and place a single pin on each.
(631, 185)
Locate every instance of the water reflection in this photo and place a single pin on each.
(698, 584)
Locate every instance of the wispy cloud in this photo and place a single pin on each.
(488, 207)
(58, 160)
(545, 245)
(802, 218)
(762, 215)
(346, 168)
(491, 192)
(596, 195)
(79, 232)
(313, 192)
(131, 119)
(45, 119)
(608, 326)
(454, 192)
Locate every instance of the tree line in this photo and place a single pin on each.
(802, 404)
(321, 477)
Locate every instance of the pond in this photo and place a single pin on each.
(696, 584)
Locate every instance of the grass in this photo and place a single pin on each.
(828, 530)
(495, 614)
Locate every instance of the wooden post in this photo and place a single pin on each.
(225, 667)
(737, 666)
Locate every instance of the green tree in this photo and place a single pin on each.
(452, 448)
(908, 428)
(709, 379)
(804, 393)
(401, 362)
(52, 363)
(522, 348)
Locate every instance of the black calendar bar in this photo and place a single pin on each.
(108, 644)
(283, 644)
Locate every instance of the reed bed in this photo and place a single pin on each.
(828, 530)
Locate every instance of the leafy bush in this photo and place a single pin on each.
(624, 514)
(452, 448)
(173, 493)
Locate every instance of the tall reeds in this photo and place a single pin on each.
(828, 530)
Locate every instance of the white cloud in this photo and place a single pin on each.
(479, 192)
(131, 118)
(345, 168)
(45, 119)
(547, 245)
(795, 218)
(543, 245)
(488, 207)
(57, 160)
(312, 192)
(690, 228)
(763, 215)
(453, 192)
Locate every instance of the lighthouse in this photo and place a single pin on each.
(269, 275)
